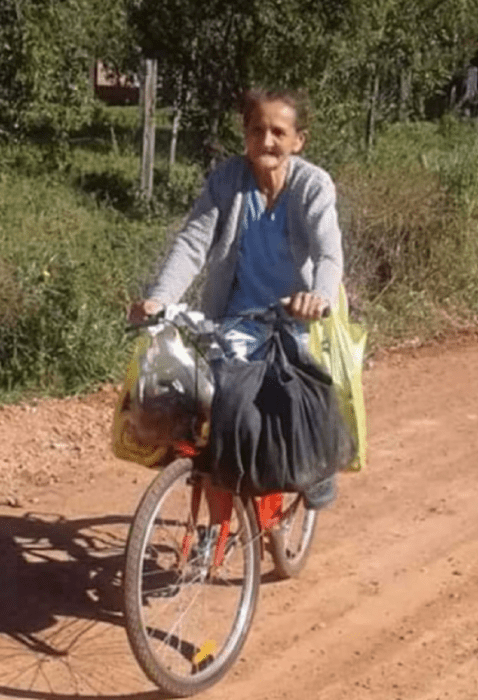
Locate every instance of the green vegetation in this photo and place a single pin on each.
(364, 63)
(77, 243)
(47, 50)
(410, 216)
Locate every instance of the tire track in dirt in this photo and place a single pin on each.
(387, 606)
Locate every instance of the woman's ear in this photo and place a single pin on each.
(301, 140)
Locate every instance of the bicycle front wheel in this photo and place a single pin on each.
(186, 619)
(291, 541)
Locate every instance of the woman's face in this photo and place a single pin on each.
(271, 135)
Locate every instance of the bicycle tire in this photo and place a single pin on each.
(155, 650)
(289, 559)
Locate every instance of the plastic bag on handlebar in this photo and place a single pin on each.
(166, 397)
(275, 423)
(339, 345)
(125, 442)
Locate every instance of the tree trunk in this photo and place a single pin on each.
(421, 107)
(93, 76)
(213, 137)
(372, 112)
(213, 141)
(405, 90)
(149, 129)
(174, 135)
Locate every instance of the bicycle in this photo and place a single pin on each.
(193, 567)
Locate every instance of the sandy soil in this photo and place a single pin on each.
(386, 608)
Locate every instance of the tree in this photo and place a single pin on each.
(208, 53)
(390, 56)
(46, 50)
(199, 57)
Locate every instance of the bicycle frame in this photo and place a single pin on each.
(268, 510)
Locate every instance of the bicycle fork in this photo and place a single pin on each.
(268, 510)
(220, 510)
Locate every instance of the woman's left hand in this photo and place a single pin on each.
(307, 306)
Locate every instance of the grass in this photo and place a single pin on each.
(71, 266)
(410, 219)
(78, 243)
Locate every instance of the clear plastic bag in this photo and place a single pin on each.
(166, 397)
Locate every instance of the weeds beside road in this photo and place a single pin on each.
(77, 244)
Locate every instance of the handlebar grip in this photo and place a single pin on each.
(151, 320)
(285, 301)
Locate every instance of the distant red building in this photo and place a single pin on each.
(113, 87)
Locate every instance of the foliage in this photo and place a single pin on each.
(382, 61)
(47, 49)
(410, 221)
(398, 221)
(364, 63)
(200, 50)
(71, 260)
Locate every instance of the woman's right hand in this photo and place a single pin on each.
(140, 310)
(306, 306)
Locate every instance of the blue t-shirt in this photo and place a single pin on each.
(266, 270)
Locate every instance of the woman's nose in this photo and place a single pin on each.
(268, 139)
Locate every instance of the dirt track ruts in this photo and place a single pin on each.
(386, 609)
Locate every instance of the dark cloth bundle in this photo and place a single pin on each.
(275, 423)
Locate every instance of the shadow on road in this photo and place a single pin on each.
(61, 623)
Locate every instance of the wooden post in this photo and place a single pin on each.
(174, 136)
(149, 128)
(372, 111)
(405, 91)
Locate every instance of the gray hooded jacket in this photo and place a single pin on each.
(211, 235)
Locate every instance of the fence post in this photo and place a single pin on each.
(149, 128)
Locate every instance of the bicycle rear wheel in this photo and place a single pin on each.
(291, 541)
(186, 620)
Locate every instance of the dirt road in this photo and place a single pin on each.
(386, 609)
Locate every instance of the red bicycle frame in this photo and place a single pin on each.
(268, 509)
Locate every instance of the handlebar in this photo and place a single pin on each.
(179, 312)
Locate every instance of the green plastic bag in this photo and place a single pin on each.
(339, 346)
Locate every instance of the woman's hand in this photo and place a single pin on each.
(140, 310)
(307, 306)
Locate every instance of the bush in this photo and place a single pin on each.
(68, 270)
(176, 188)
(396, 223)
(410, 230)
(78, 244)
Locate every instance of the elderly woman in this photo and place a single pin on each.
(265, 225)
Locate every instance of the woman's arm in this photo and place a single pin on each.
(325, 238)
(184, 260)
(189, 250)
